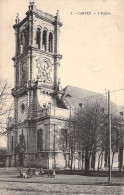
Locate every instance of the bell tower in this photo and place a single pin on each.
(37, 58)
(37, 48)
(36, 85)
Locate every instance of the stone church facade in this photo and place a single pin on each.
(42, 110)
(38, 111)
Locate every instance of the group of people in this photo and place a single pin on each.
(29, 172)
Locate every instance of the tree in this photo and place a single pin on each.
(89, 122)
(89, 131)
(82, 133)
(117, 139)
(86, 133)
(5, 105)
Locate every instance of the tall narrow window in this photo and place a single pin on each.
(38, 37)
(22, 143)
(45, 40)
(64, 133)
(51, 42)
(12, 143)
(25, 38)
(21, 42)
(39, 140)
(21, 39)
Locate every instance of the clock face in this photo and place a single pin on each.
(44, 71)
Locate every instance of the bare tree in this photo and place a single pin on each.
(91, 124)
(89, 121)
(87, 133)
(5, 105)
(67, 141)
(117, 138)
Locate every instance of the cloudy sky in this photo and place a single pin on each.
(92, 45)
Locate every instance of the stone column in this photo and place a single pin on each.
(41, 39)
(53, 42)
(29, 66)
(47, 42)
(15, 76)
(16, 41)
(56, 35)
(96, 160)
(16, 109)
(57, 57)
(30, 35)
(34, 67)
(56, 71)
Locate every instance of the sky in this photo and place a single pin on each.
(91, 45)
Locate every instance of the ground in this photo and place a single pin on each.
(10, 183)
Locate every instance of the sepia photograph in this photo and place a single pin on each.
(62, 97)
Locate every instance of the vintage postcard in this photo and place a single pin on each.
(61, 97)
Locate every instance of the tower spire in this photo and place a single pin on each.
(17, 20)
(31, 2)
(57, 14)
(31, 5)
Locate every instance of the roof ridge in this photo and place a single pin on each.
(81, 89)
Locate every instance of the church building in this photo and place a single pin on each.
(42, 109)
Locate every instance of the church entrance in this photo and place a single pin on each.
(21, 159)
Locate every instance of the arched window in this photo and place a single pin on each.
(64, 133)
(38, 37)
(25, 38)
(21, 42)
(39, 140)
(21, 38)
(45, 40)
(51, 42)
(22, 143)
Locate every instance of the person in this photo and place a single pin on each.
(21, 172)
(54, 173)
(41, 171)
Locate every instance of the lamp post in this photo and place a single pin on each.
(72, 136)
(109, 118)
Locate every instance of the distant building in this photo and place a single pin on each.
(40, 107)
(3, 152)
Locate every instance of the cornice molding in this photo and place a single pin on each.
(29, 51)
